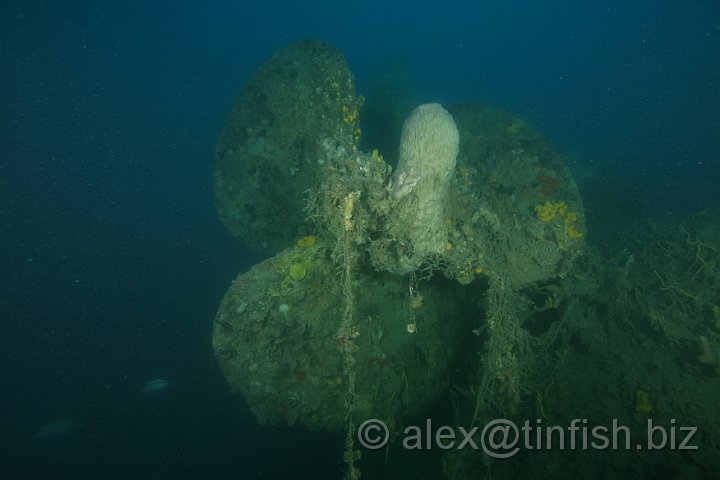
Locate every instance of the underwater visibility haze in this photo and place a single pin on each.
(454, 240)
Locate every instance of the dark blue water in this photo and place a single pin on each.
(113, 260)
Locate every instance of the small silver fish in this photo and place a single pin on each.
(56, 429)
(155, 385)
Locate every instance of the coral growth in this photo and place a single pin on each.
(551, 210)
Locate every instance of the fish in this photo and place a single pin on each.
(155, 385)
(58, 428)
